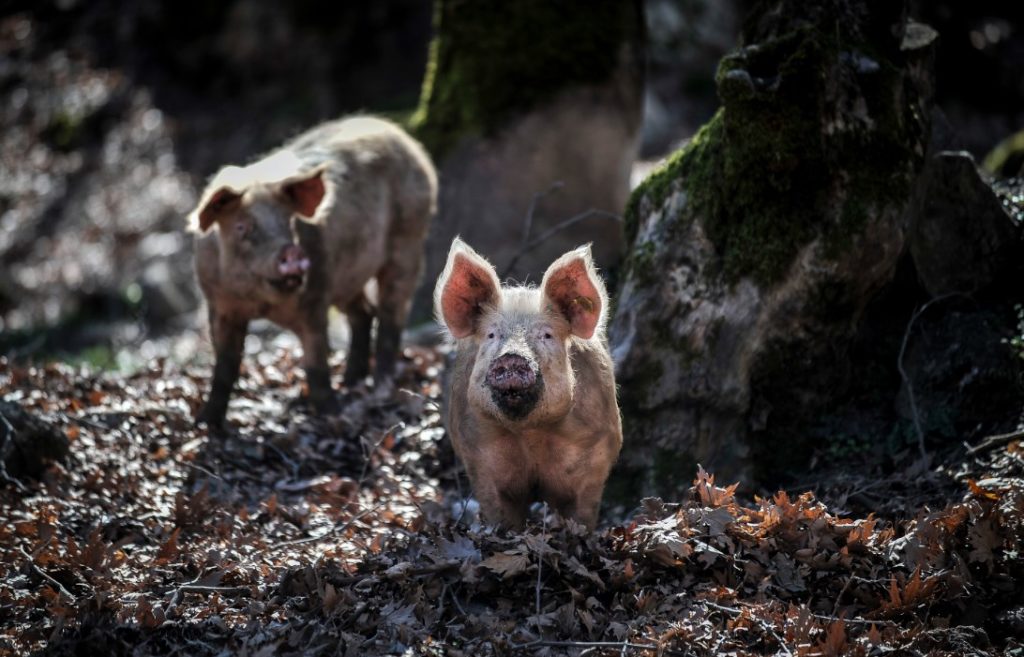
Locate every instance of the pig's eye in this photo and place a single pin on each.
(241, 228)
(547, 336)
(490, 336)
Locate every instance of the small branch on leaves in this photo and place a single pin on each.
(337, 529)
(903, 372)
(40, 572)
(993, 442)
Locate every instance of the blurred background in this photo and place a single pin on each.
(114, 114)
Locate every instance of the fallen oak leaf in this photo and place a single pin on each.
(507, 564)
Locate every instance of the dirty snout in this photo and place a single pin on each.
(292, 265)
(515, 385)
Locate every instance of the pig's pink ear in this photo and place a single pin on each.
(214, 204)
(466, 286)
(572, 287)
(306, 193)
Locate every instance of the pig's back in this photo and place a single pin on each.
(384, 193)
(367, 147)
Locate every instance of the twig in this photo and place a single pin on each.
(530, 245)
(337, 529)
(543, 643)
(839, 598)
(92, 424)
(851, 621)
(204, 470)
(528, 219)
(455, 599)
(995, 441)
(903, 372)
(39, 571)
(763, 624)
(223, 590)
(287, 460)
(540, 567)
(368, 450)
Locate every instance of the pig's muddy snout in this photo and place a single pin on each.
(292, 265)
(515, 385)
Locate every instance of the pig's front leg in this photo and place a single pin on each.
(228, 335)
(498, 485)
(315, 349)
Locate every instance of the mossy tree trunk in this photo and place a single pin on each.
(530, 104)
(755, 249)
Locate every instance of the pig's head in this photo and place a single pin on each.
(256, 223)
(521, 336)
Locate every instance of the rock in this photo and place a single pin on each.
(960, 220)
(756, 248)
(28, 443)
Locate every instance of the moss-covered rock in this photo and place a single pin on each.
(757, 246)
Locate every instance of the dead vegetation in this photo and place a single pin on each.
(345, 535)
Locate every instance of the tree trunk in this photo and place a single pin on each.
(755, 249)
(532, 112)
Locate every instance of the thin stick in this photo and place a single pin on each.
(528, 219)
(546, 235)
(851, 621)
(223, 590)
(540, 567)
(906, 377)
(337, 529)
(762, 624)
(39, 571)
(581, 644)
(995, 441)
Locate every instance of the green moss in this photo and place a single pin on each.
(492, 60)
(765, 173)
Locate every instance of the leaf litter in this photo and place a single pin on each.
(349, 535)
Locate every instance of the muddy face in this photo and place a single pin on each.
(522, 373)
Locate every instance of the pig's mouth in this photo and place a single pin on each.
(288, 283)
(292, 266)
(515, 386)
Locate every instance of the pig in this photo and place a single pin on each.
(309, 226)
(531, 407)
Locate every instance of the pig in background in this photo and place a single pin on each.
(308, 227)
(531, 405)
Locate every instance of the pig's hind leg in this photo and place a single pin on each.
(360, 321)
(396, 283)
(315, 349)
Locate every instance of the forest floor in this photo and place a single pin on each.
(350, 535)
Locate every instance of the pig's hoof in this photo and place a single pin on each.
(211, 419)
(330, 405)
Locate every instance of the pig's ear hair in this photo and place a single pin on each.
(572, 288)
(467, 285)
(216, 201)
(306, 191)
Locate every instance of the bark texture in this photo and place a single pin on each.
(770, 275)
(530, 108)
